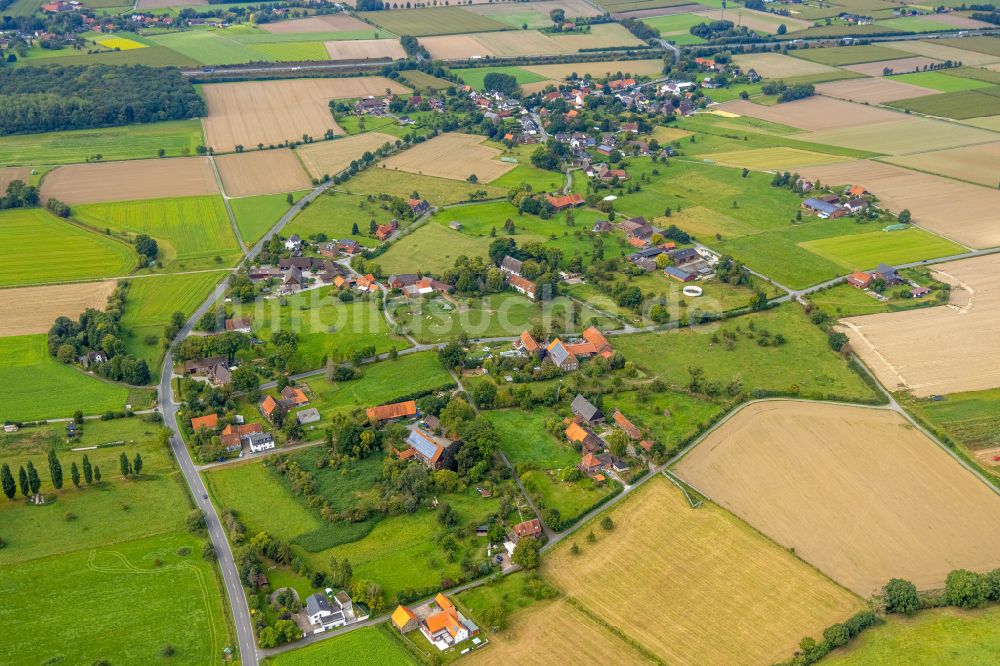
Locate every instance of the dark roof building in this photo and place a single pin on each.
(586, 410)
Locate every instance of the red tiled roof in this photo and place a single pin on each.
(268, 405)
(392, 411)
(564, 200)
(528, 528)
(528, 342)
(209, 421)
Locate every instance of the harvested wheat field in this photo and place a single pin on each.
(945, 349)
(908, 134)
(8, 174)
(812, 113)
(958, 21)
(365, 49)
(261, 172)
(777, 66)
(937, 51)
(126, 181)
(985, 122)
(452, 155)
(30, 310)
(270, 112)
(507, 43)
(598, 70)
(858, 492)
(572, 8)
(555, 627)
(319, 23)
(696, 575)
(898, 66)
(871, 91)
(601, 36)
(960, 211)
(784, 159)
(979, 164)
(332, 157)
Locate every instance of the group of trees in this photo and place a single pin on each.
(788, 93)
(19, 195)
(29, 483)
(97, 331)
(56, 97)
(501, 83)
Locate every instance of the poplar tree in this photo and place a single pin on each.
(88, 472)
(55, 470)
(7, 481)
(74, 474)
(123, 462)
(97, 473)
(22, 480)
(34, 483)
(137, 464)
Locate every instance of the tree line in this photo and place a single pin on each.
(54, 97)
(29, 483)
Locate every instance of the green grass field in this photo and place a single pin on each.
(191, 231)
(913, 24)
(867, 250)
(432, 248)
(37, 248)
(941, 81)
(210, 47)
(33, 385)
(673, 22)
(171, 599)
(947, 635)
(256, 215)
(474, 76)
(368, 646)
(334, 214)
(113, 143)
(971, 418)
(438, 191)
(432, 21)
(154, 56)
(956, 105)
(848, 55)
(23, 8)
(327, 327)
(151, 302)
(525, 441)
(570, 499)
(804, 363)
(419, 80)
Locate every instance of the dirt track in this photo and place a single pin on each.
(857, 492)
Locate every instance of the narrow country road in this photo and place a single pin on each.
(168, 408)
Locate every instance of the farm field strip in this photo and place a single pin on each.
(786, 466)
(261, 172)
(129, 180)
(365, 49)
(892, 344)
(979, 164)
(332, 157)
(777, 66)
(432, 21)
(871, 91)
(33, 309)
(813, 113)
(899, 66)
(940, 49)
(908, 134)
(451, 155)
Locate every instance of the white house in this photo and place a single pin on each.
(260, 441)
(294, 243)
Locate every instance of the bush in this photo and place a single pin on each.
(901, 597)
(966, 589)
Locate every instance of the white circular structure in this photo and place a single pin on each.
(692, 290)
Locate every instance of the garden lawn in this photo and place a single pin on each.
(867, 250)
(511, 592)
(671, 417)
(177, 137)
(475, 76)
(844, 300)
(156, 502)
(38, 248)
(368, 646)
(941, 81)
(260, 500)
(570, 499)
(33, 385)
(150, 304)
(171, 599)
(327, 327)
(526, 442)
(256, 215)
(804, 364)
(192, 232)
(335, 215)
(945, 635)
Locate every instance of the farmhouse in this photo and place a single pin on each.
(630, 428)
(528, 344)
(292, 281)
(293, 397)
(579, 434)
(887, 274)
(434, 451)
(393, 411)
(418, 206)
(271, 408)
(239, 324)
(564, 201)
(824, 209)
(426, 285)
(207, 422)
(384, 231)
(511, 266)
(523, 286)
(233, 436)
(585, 410)
(529, 528)
(404, 619)
(591, 464)
(402, 280)
(561, 357)
(263, 273)
(367, 283)
(447, 626)
(860, 280)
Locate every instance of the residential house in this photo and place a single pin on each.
(402, 280)
(860, 280)
(630, 428)
(239, 324)
(585, 410)
(292, 281)
(260, 441)
(523, 286)
(447, 626)
(609, 175)
(270, 408)
(887, 274)
(580, 434)
(590, 464)
(233, 436)
(511, 266)
(293, 397)
(294, 243)
(207, 422)
(529, 528)
(322, 613)
(856, 205)
(418, 206)
(561, 357)
(528, 344)
(391, 412)
(384, 231)
(631, 224)
(621, 84)
(632, 127)
(564, 201)
(426, 285)
(367, 283)
(348, 246)
(856, 191)
(602, 227)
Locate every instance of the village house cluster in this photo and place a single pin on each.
(442, 624)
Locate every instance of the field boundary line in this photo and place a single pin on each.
(677, 481)
(229, 209)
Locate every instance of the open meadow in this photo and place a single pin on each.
(332, 157)
(960, 211)
(867, 250)
(271, 112)
(192, 232)
(451, 155)
(335, 214)
(25, 261)
(261, 172)
(256, 215)
(896, 345)
(176, 137)
(786, 467)
(705, 574)
(437, 191)
(136, 179)
(367, 646)
(33, 309)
